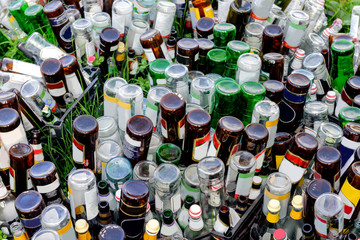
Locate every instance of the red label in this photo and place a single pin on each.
(256, 17)
(12, 172)
(38, 151)
(288, 46)
(182, 122)
(216, 142)
(203, 140)
(77, 144)
(296, 160)
(348, 209)
(55, 85)
(317, 175)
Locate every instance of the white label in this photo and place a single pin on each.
(201, 147)
(26, 68)
(340, 105)
(48, 188)
(152, 114)
(158, 203)
(131, 141)
(78, 154)
(149, 55)
(13, 137)
(118, 22)
(38, 153)
(12, 181)
(51, 52)
(295, 173)
(212, 150)
(260, 159)
(348, 205)
(74, 86)
(57, 92)
(163, 23)
(72, 204)
(91, 203)
(163, 124)
(321, 226)
(165, 52)
(29, 183)
(354, 25)
(176, 202)
(223, 10)
(243, 184)
(4, 158)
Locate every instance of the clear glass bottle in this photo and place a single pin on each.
(330, 100)
(329, 216)
(211, 175)
(177, 77)
(201, 91)
(196, 225)
(121, 16)
(108, 129)
(144, 171)
(314, 114)
(167, 188)
(190, 184)
(297, 60)
(83, 36)
(57, 217)
(261, 10)
(43, 234)
(329, 134)
(169, 226)
(155, 142)
(149, 214)
(256, 188)
(106, 150)
(111, 87)
(278, 186)
(253, 35)
(110, 230)
(137, 28)
(18, 231)
(118, 171)
(248, 68)
(91, 7)
(7, 204)
(183, 216)
(164, 17)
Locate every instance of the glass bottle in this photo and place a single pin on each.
(190, 184)
(172, 111)
(204, 8)
(121, 16)
(211, 175)
(118, 171)
(149, 214)
(17, 9)
(18, 231)
(295, 30)
(164, 17)
(45, 180)
(144, 171)
(59, 22)
(272, 39)
(157, 72)
(137, 28)
(273, 66)
(239, 16)
(7, 204)
(222, 223)
(349, 194)
(307, 232)
(261, 10)
(329, 216)
(37, 19)
(329, 134)
(349, 114)
(108, 129)
(168, 153)
(330, 100)
(253, 36)
(154, 46)
(151, 230)
(103, 218)
(91, 7)
(274, 90)
(223, 34)
(183, 216)
(314, 114)
(57, 217)
(205, 45)
(109, 42)
(196, 225)
(205, 27)
(234, 49)
(216, 59)
(297, 60)
(248, 68)
(348, 93)
(82, 192)
(201, 91)
(46, 234)
(111, 87)
(133, 204)
(155, 142)
(188, 53)
(293, 224)
(255, 189)
(281, 144)
(272, 218)
(342, 53)
(104, 194)
(227, 136)
(82, 230)
(177, 77)
(250, 94)
(239, 175)
(36, 145)
(130, 103)
(111, 231)
(349, 143)
(20, 67)
(29, 206)
(169, 226)
(241, 205)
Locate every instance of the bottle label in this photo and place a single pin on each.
(181, 128)
(347, 149)
(200, 147)
(215, 195)
(118, 22)
(293, 97)
(26, 68)
(278, 159)
(152, 113)
(208, 11)
(176, 202)
(256, 17)
(354, 25)
(277, 197)
(3, 191)
(214, 146)
(38, 153)
(149, 54)
(65, 229)
(131, 148)
(78, 151)
(59, 20)
(223, 10)
(28, 182)
(32, 223)
(296, 160)
(51, 52)
(243, 184)
(56, 89)
(164, 130)
(320, 226)
(72, 202)
(49, 187)
(91, 203)
(165, 52)
(259, 160)
(163, 23)
(73, 85)
(65, 33)
(12, 179)
(158, 203)
(350, 196)
(342, 102)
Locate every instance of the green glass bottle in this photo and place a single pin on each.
(216, 59)
(342, 53)
(38, 21)
(234, 49)
(250, 94)
(168, 153)
(224, 33)
(157, 72)
(227, 94)
(17, 9)
(349, 114)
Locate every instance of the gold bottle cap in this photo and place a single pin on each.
(81, 226)
(274, 205)
(121, 47)
(257, 180)
(297, 202)
(153, 226)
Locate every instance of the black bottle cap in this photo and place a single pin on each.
(307, 230)
(351, 236)
(168, 217)
(189, 200)
(103, 187)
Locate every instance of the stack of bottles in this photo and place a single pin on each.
(251, 105)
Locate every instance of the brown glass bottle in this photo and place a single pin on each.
(313, 190)
(205, 45)
(53, 73)
(103, 218)
(172, 112)
(154, 46)
(254, 140)
(205, 8)
(204, 28)
(327, 166)
(29, 206)
(85, 139)
(188, 53)
(137, 138)
(274, 90)
(9, 100)
(239, 16)
(226, 138)
(273, 66)
(272, 39)
(132, 209)
(350, 194)
(295, 92)
(109, 41)
(197, 136)
(75, 4)
(75, 80)
(281, 145)
(21, 160)
(45, 180)
(60, 24)
(36, 145)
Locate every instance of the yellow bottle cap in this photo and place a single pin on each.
(153, 226)
(81, 226)
(274, 205)
(297, 202)
(121, 47)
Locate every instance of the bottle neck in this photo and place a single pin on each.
(23, 236)
(296, 214)
(196, 224)
(272, 217)
(84, 236)
(150, 236)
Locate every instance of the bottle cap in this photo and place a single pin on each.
(300, 53)
(91, 59)
(117, 195)
(331, 96)
(121, 47)
(256, 180)
(81, 226)
(313, 88)
(274, 205)
(297, 202)
(153, 226)
(279, 234)
(195, 211)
